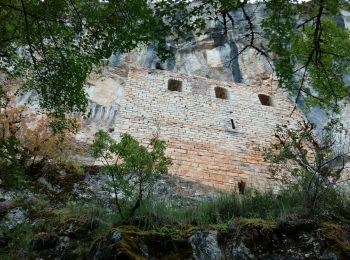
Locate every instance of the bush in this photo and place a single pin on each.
(312, 166)
(289, 203)
(133, 167)
(27, 143)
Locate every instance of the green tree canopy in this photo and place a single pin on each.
(54, 45)
(308, 49)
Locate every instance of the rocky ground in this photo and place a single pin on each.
(243, 239)
(69, 216)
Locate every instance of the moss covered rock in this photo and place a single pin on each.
(337, 238)
(132, 243)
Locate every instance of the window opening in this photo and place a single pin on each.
(175, 85)
(159, 66)
(241, 187)
(265, 100)
(233, 124)
(221, 93)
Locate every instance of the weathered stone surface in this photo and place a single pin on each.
(214, 54)
(13, 218)
(240, 251)
(170, 189)
(5, 206)
(205, 246)
(211, 140)
(131, 243)
(196, 125)
(249, 244)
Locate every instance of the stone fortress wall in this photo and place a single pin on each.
(212, 128)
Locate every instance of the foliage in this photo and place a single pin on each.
(312, 55)
(313, 165)
(86, 221)
(27, 143)
(186, 20)
(287, 204)
(54, 45)
(133, 167)
(307, 46)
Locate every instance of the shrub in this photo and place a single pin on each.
(27, 142)
(253, 204)
(133, 167)
(312, 166)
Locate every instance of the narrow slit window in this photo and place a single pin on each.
(265, 100)
(221, 93)
(175, 85)
(233, 124)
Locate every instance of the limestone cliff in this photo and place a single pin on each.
(214, 55)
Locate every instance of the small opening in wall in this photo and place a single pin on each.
(221, 93)
(159, 66)
(233, 124)
(265, 100)
(241, 187)
(175, 85)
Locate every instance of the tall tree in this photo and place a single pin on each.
(54, 45)
(313, 50)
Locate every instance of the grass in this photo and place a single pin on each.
(94, 220)
(253, 204)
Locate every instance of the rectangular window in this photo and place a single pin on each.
(175, 85)
(221, 93)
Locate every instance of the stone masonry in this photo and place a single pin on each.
(212, 140)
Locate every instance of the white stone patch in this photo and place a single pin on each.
(90, 91)
(346, 17)
(192, 63)
(214, 58)
(105, 91)
(254, 67)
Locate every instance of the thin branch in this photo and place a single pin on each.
(306, 21)
(27, 35)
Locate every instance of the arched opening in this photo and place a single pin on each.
(265, 100)
(221, 93)
(241, 186)
(175, 85)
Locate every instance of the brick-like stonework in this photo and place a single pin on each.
(198, 128)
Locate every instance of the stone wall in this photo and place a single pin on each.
(198, 126)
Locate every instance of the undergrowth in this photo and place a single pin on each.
(287, 204)
(92, 220)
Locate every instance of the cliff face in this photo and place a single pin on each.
(212, 129)
(121, 100)
(214, 55)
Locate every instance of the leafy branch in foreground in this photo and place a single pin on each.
(54, 45)
(133, 168)
(27, 144)
(315, 166)
(307, 46)
(312, 50)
